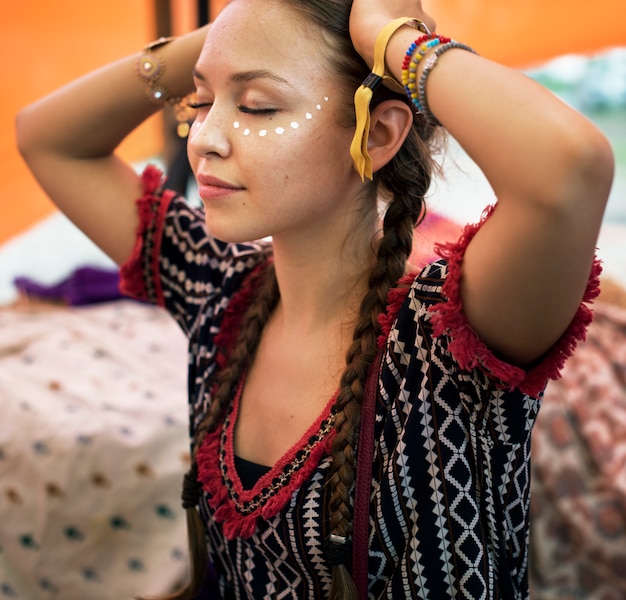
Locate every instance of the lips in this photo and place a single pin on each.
(210, 188)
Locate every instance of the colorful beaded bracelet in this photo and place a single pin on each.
(413, 47)
(429, 65)
(415, 53)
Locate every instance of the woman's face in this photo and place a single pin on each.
(266, 147)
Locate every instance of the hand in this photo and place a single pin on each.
(368, 17)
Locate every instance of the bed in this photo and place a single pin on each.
(93, 447)
(578, 498)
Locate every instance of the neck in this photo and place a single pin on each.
(322, 285)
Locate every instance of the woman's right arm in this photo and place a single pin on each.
(68, 139)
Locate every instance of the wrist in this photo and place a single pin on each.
(164, 66)
(420, 59)
(366, 45)
(399, 42)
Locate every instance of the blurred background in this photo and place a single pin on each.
(93, 413)
(581, 55)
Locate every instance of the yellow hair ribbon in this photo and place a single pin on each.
(363, 95)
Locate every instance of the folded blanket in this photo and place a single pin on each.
(85, 285)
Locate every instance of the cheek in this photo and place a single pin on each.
(192, 157)
(279, 134)
(276, 144)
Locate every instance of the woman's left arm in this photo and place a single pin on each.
(525, 271)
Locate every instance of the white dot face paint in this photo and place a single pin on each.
(249, 128)
(279, 130)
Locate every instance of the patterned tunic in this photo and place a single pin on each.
(450, 491)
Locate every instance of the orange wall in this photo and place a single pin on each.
(524, 34)
(44, 44)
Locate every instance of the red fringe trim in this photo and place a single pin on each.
(237, 306)
(235, 523)
(471, 352)
(395, 299)
(132, 276)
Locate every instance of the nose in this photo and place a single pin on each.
(209, 133)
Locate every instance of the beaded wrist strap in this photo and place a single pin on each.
(150, 67)
(429, 65)
(415, 53)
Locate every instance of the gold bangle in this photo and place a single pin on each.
(150, 68)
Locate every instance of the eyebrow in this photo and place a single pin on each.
(245, 76)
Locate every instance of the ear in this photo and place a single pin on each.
(390, 123)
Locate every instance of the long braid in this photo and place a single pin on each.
(402, 214)
(242, 355)
(246, 344)
(408, 181)
(405, 181)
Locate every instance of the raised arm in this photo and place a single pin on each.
(525, 271)
(68, 140)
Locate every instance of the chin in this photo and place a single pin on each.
(234, 235)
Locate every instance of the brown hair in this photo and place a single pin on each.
(402, 183)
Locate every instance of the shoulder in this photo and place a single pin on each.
(425, 322)
(413, 295)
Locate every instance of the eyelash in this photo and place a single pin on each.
(244, 109)
(256, 111)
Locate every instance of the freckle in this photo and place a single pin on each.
(246, 132)
(318, 106)
(309, 116)
(294, 125)
(263, 132)
(236, 124)
(280, 130)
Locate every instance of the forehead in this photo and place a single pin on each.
(262, 34)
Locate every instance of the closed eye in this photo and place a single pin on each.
(257, 111)
(199, 105)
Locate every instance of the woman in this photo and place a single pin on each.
(329, 314)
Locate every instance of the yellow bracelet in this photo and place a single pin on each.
(363, 95)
